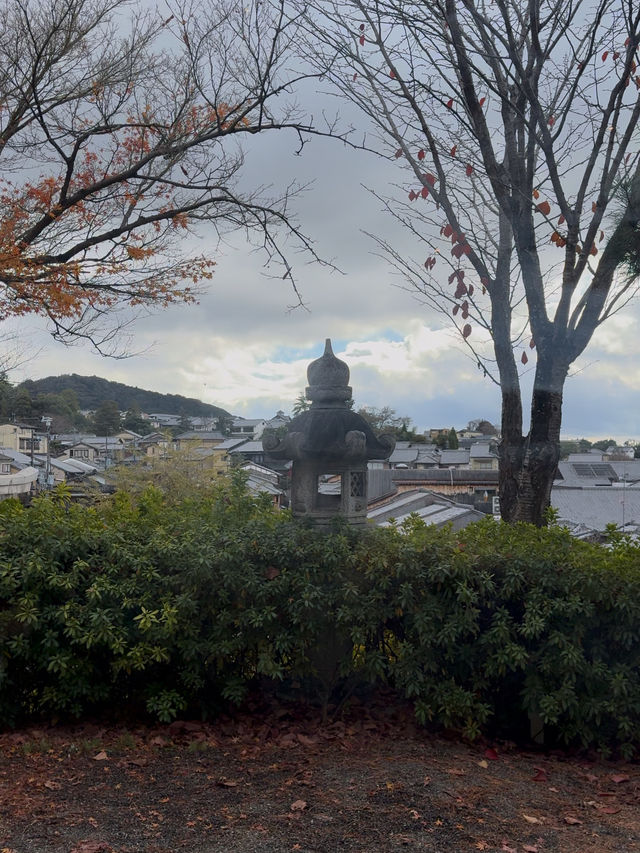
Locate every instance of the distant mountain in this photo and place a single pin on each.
(92, 390)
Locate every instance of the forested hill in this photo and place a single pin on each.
(92, 390)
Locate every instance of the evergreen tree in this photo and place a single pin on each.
(106, 418)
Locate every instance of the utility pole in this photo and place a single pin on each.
(47, 470)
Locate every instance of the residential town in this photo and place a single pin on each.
(423, 475)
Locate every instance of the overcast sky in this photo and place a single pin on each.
(241, 348)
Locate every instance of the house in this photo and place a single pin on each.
(22, 438)
(160, 420)
(590, 492)
(16, 481)
(81, 450)
(248, 451)
(431, 508)
(153, 445)
(454, 459)
(618, 452)
(261, 480)
(278, 421)
(482, 457)
(193, 438)
(249, 429)
(463, 483)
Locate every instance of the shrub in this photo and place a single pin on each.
(157, 606)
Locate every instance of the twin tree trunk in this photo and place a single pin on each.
(528, 464)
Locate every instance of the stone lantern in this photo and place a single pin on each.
(329, 445)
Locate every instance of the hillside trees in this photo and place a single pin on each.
(120, 132)
(517, 127)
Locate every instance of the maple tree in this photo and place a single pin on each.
(120, 132)
(517, 126)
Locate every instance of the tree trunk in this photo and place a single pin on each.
(511, 452)
(542, 447)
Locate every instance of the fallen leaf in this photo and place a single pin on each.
(226, 783)
(483, 763)
(101, 756)
(618, 779)
(531, 819)
(52, 786)
(491, 754)
(541, 775)
(92, 847)
(610, 809)
(529, 848)
(298, 805)
(414, 814)
(572, 821)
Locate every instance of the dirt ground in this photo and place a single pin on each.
(275, 782)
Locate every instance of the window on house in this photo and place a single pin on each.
(5, 468)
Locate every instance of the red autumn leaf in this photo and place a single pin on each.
(466, 331)
(524, 358)
(362, 27)
(459, 274)
(594, 207)
(616, 55)
(449, 103)
(461, 291)
(484, 281)
(551, 121)
(593, 250)
(412, 196)
(298, 806)
(627, 41)
(453, 150)
(456, 308)
(536, 194)
(532, 344)
(421, 154)
(561, 219)
(424, 192)
(361, 39)
(484, 289)
(626, 159)
(481, 101)
(604, 55)
(541, 775)
(530, 848)
(101, 756)
(447, 230)
(458, 250)
(544, 207)
(392, 74)
(429, 178)
(355, 77)
(619, 778)
(601, 235)
(491, 754)
(470, 290)
(469, 169)
(399, 153)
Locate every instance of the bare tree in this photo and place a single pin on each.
(516, 122)
(121, 132)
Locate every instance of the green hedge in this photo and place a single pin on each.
(151, 606)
